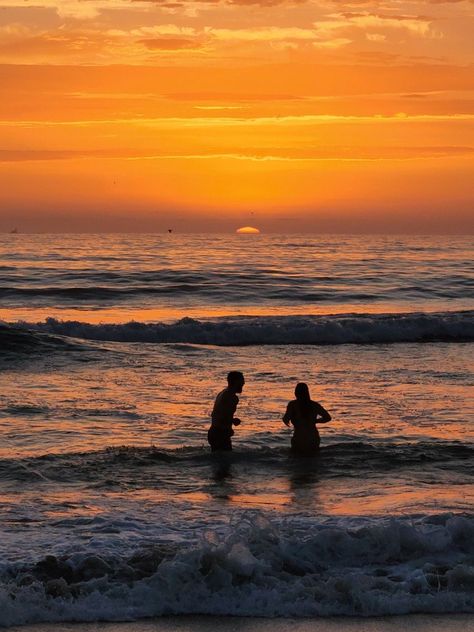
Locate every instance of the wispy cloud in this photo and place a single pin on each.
(232, 121)
(365, 21)
(258, 154)
(171, 43)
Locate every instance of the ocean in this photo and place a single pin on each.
(112, 350)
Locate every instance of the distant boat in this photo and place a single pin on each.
(15, 231)
(170, 230)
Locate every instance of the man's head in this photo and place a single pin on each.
(236, 381)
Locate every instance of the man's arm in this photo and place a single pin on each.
(235, 420)
(230, 403)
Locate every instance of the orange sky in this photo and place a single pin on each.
(290, 115)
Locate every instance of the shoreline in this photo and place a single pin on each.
(202, 623)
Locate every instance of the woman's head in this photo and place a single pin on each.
(302, 392)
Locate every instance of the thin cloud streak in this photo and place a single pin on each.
(342, 154)
(234, 121)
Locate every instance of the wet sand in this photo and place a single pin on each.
(412, 623)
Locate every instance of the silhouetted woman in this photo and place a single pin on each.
(304, 414)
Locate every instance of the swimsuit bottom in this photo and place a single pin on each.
(304, 448)
(219, 439)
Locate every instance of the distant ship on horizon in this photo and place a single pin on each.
(15, 231)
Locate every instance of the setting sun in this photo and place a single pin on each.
(248, 230)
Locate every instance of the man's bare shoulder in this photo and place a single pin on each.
(230, 396)
(227, 396)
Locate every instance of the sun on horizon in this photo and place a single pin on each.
(248, 230)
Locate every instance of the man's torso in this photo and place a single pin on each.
(224, 409)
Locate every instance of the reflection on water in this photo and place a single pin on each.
(221, 467)
(162, 395)
(294, 482)
(401, 420)
(304, 482)
(145, 277)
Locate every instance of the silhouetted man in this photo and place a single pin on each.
(221, 431)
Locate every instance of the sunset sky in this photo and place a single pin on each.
(290, 115)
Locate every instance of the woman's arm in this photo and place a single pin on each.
(287, 416)
(325, 416)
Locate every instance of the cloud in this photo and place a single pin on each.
(276, 121)
(375, 37)
(262, 3)
(26, 155)
(91, 9)
(378, 57)
(166, 44)
(258, 154)
(50, 44)
(77, 9)
(157, 30)
(264, 33)
(343, 22)
(337, 42)
(449, 1)
(415, 95)
(231, 97)
(218, 107)
(265, 3)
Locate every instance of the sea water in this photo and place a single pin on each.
(112, 349)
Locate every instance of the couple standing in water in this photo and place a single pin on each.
(303, 413)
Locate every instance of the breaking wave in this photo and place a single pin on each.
(298, 567)
(318, 330)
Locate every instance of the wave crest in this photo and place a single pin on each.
(281, 330)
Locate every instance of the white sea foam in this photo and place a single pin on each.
(298, 567)
(330, 329)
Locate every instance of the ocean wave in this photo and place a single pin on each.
(97, 292)
(232, 285)
(299, 567)
(18, 340)
(141, 465)
(318, 330)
